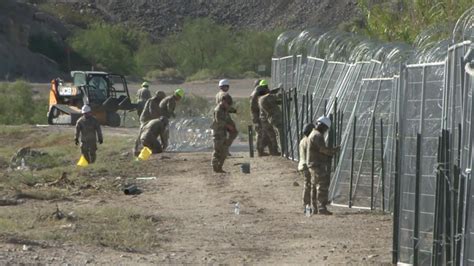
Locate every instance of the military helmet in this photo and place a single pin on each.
(324, 120)
(179, 92)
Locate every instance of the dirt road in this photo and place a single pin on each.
(192, 213)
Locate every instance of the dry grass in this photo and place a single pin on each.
(118, 228)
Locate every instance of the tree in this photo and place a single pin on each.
(108, 47)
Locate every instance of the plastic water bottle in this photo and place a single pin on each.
(23, 164)
(307, 210)
(237, 208)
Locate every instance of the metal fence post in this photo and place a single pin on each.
(288, 111)
(372, 172)
(352, 162)
(297, 121)
(382, 174)
(396, 203)
(416, 228)
(250, 129)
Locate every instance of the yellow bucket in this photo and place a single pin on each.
(144, 154)
(82, 161)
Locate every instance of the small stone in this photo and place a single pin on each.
(325, 257)
(296, 184)
(26, 248)
(344, 246)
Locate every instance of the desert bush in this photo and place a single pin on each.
(243, 118)
(169, 75)
(204, 74)
(193, 105)
(17, 105)
(109, 47)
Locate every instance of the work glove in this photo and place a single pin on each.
(101, 141)
(76, 141)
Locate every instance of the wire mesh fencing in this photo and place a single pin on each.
(406, 144)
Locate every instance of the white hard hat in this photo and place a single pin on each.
(325, 120)
(223, 82)
(85, 109)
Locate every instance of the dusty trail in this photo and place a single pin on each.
(196, 223)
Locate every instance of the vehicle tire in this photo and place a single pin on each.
(113, 119)
(53, 113)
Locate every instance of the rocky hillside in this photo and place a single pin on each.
(21, 21)
(166, 16)
(18, 24)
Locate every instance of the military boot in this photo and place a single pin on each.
(324, 211)
(217, 169)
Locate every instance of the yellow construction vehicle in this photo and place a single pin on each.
(105, 93)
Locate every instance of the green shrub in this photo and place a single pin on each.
(169, 75)
(250, 75)
(243, 118)
(109, 47)
(153, 57)
(202, 44)
(204, 74)
(193, 105)
(17, 105)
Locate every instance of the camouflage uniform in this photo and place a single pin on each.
(319, 163)
(150, 111)
(143, 95)
(152, 108)
(167, 106)
(219, 135)
(151, 131)
(309, 192)
(261, 142)
(231, 135)
(88, 129)
(270, 119)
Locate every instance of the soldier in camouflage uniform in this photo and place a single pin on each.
(260, 89)
(224, 91)
(303, 167)
(151, 131)
(152, 108)
(143, 94)
(270, 120)
(89, 131)
(150, 111)
(168, 105)
(319, 163)
(223, 128)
